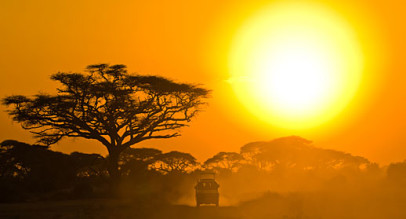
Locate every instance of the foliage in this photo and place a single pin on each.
(175, 162)
(298, 153)
(135, 161)
(108, 105)
(397, 172)
(33, 163)
(225, 160)
(35, 171)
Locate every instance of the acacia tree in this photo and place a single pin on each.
(135, 160)
(175, 162)
(225, 160)
(109, 105)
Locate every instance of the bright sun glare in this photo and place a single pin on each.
(295, 65)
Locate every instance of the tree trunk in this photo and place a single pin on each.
(112, 168)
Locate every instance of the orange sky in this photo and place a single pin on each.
(188, 41)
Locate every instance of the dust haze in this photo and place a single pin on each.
(284, 178)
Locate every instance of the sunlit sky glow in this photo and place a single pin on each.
(295, 65)
(350, 54)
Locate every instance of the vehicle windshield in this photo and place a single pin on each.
(206, 185)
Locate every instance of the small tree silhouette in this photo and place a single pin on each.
(225, 160)
(108, 105)
(175, 162)
(134, 161)
(35, 167)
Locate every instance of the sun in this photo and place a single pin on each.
(295, 65)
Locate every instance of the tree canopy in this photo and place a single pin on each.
(175, 162)
(225, 160)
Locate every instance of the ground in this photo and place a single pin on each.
(386, 205)
(110, 209)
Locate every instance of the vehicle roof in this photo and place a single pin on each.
(207, 180)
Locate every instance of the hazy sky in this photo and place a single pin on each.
(189, 41)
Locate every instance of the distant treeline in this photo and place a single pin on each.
(33, 172)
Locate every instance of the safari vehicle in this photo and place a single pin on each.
(207, 190)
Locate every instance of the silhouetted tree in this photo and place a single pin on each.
(15, 157)
(225, 160)
(34, 166)
(396, 172)
(284, 153)
(250, 153)
(294, 152)
(87, 165)
(175, 162)
(108, 105)
(137, 160)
